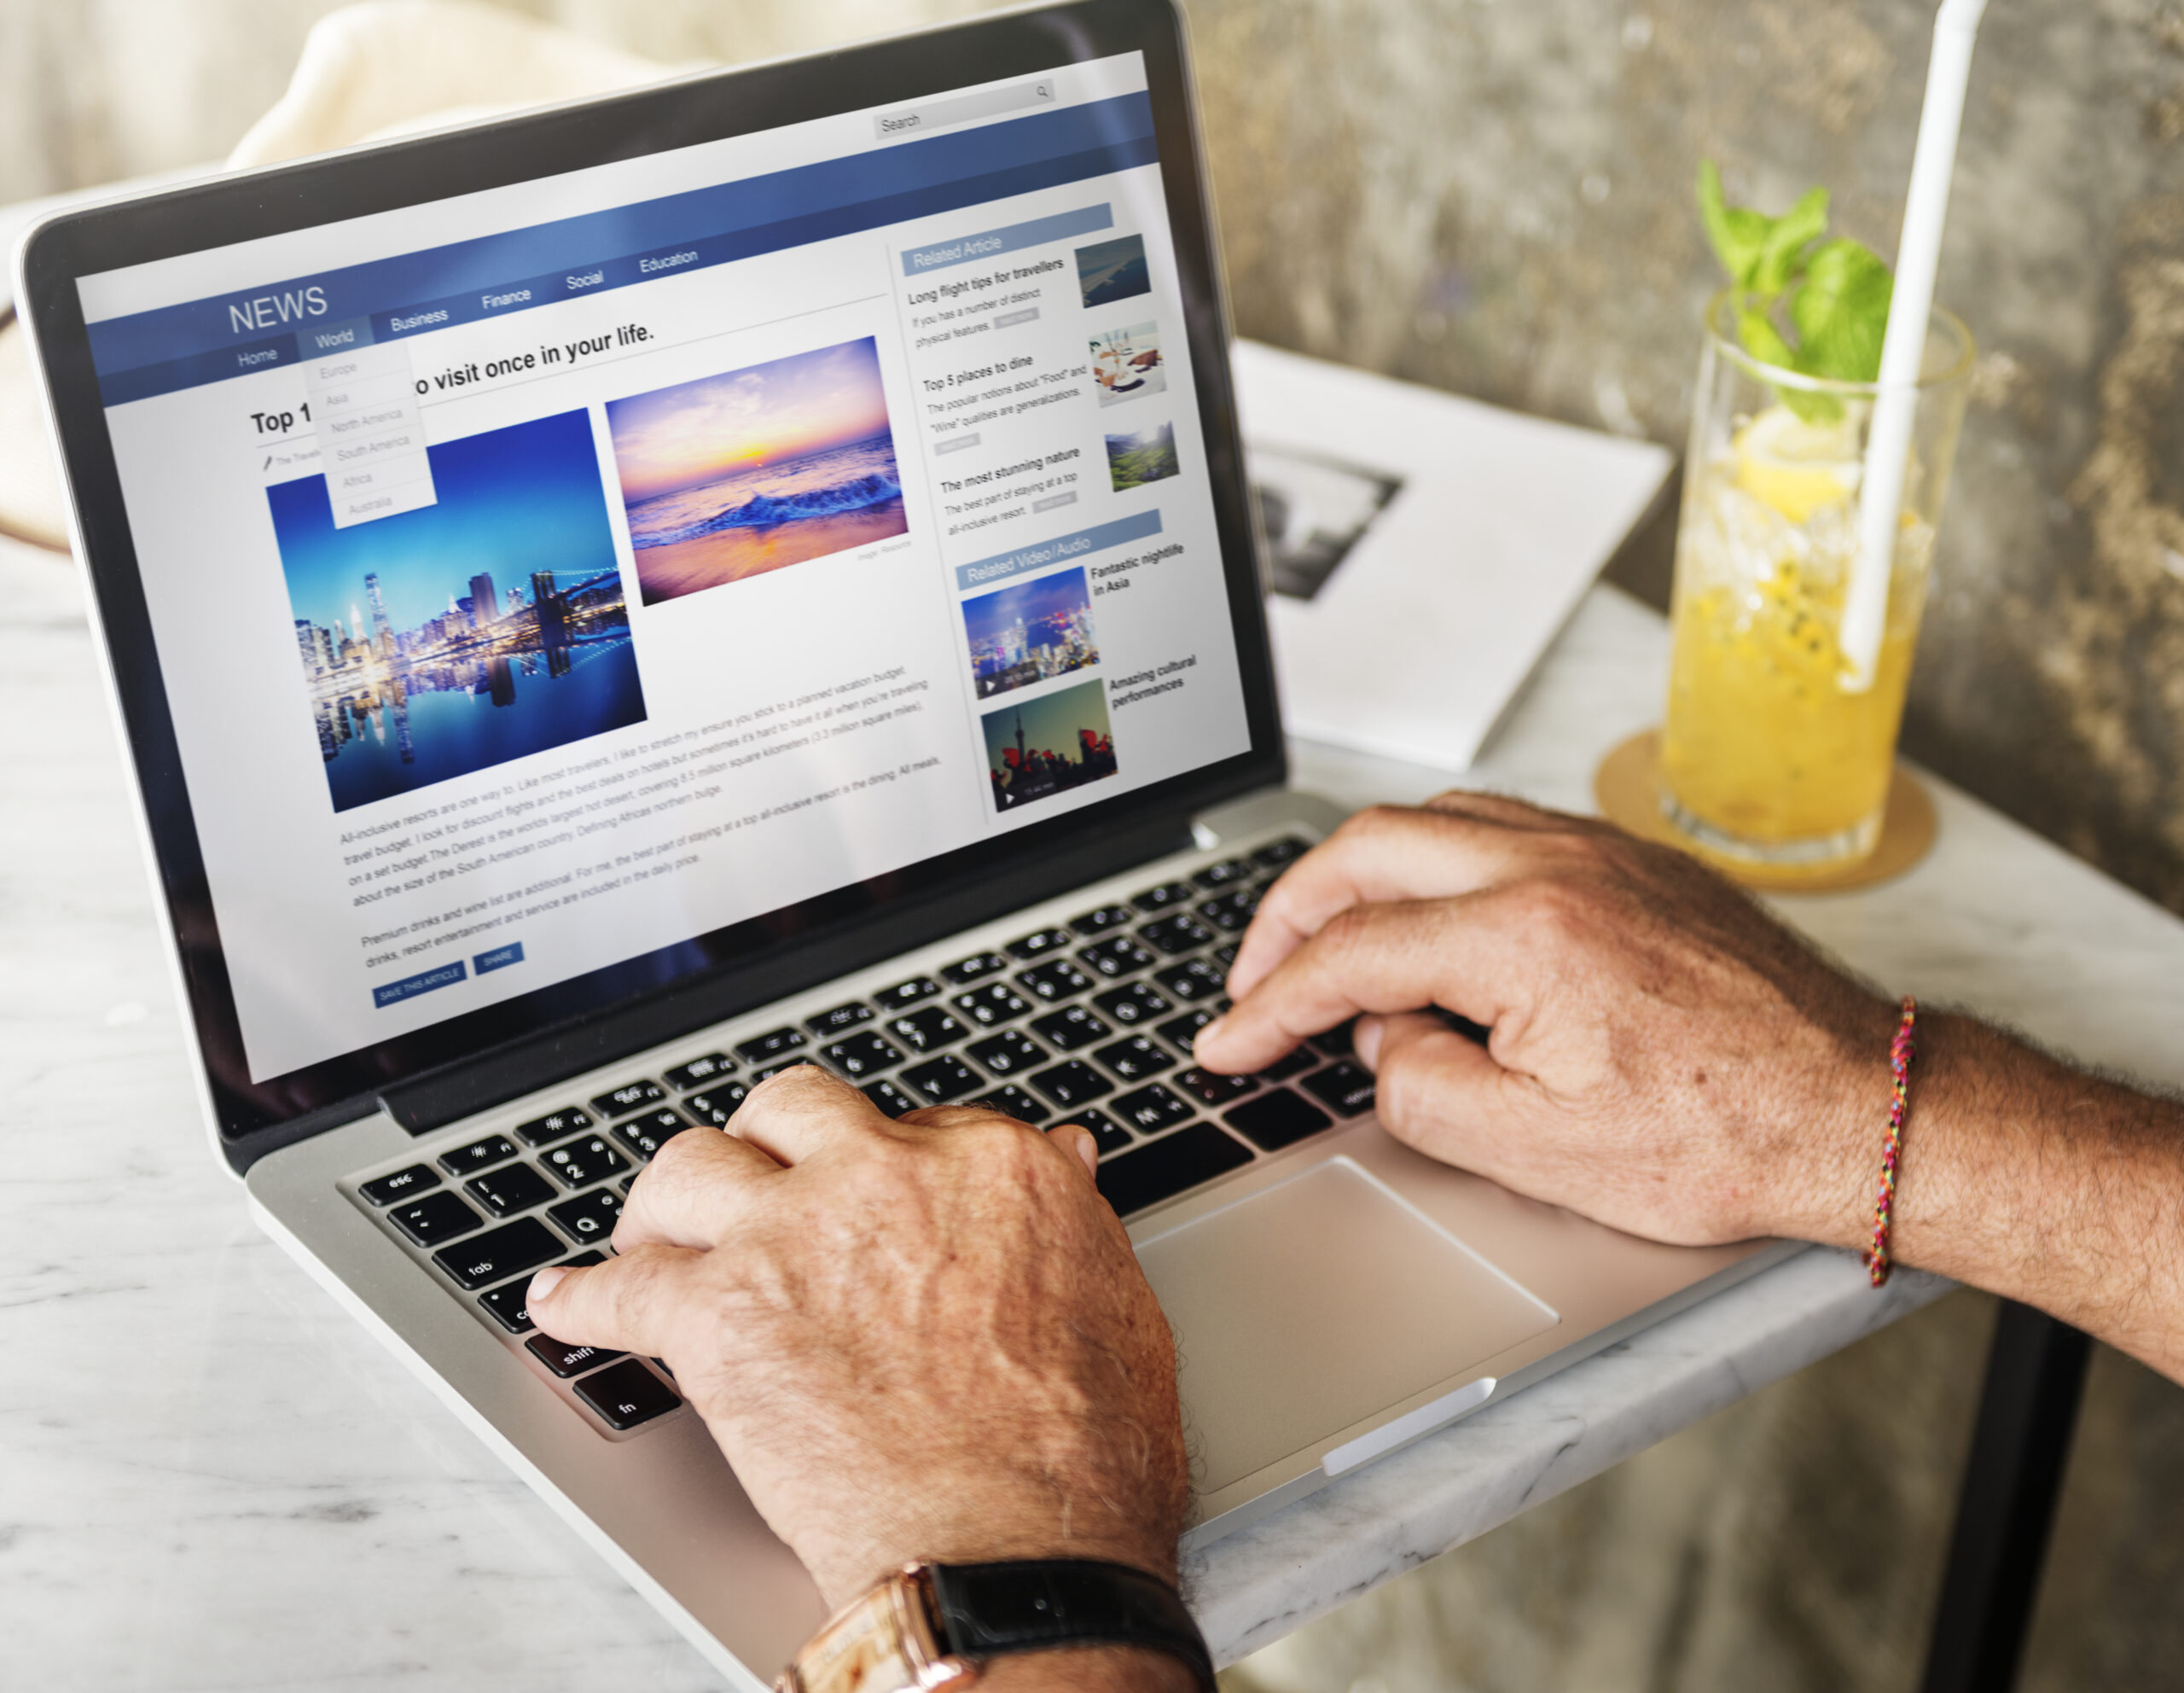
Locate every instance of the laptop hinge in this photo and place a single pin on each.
(479, 1083)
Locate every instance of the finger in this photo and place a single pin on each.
(802, 1111)
(1443, 1094)
(1392, 956)
(627, 1304)
(1388, 852)
(1078, 1139)
(694, 1191)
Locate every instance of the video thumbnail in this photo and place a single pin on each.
(1048, 746)
(1031, 633)
(1127, 363)
(1148, 456)
(734, 475)
(487, 627)
(1113, 269)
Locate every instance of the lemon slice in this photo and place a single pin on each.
(1795, 467)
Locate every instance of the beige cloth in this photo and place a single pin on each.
(367, 72)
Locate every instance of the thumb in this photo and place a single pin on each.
(1436, 1089)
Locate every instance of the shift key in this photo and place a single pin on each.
(499, 1253)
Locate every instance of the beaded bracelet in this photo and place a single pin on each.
(1901, 1051)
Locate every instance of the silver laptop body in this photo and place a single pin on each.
(1087, 553)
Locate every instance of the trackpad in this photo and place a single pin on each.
(1310, 1305)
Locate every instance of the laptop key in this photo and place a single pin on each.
(1036, 945)
(1012, 1102)
(505, 1192)
(1071, 1084)
(698, 1072)
(1117, 955)
(1180, 933)
(1134, 1059)
(546, 1130)
(629, 1096)
(1283, 853)
(1136, 1003)
(1149, 1174)
(1007, 1052)
(580, 1163)
(480, 1154)
(943, 1079)
(766, 1073)
(1345, 1088)
(1211, 1089)
(566, 1359)
(976, 968)
(1335, 1042)
(1192, 978)
(715, 1105)
(1150, 1109)
(1071, 1028)
(1295, 1064)
(891, 1098)
(862, 1054)
(994, 1002)
(627, 1394)
(1159, 899)
(645, 1134)
(771, 1044)
(505, 1305)
(1224, 958)
(1109, 1135)
(1184, 1030)
(1221, 874)
(1099, 922)
(841, 1017)
(509, 1250)
(906, 993)
(929, 1030)
(1232, 910)
(440, 1217)
(386, 1190)
(1276, 1119)
(591, 1217)
(1056, 978)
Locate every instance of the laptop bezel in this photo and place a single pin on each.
(592, 1019)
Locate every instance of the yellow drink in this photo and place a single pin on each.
(1768, 756)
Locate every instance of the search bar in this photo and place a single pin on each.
(938, 114)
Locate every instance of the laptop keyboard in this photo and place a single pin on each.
(1089, 1024)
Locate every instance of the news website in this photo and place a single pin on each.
(545, 577)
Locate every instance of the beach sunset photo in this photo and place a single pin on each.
(733, 475)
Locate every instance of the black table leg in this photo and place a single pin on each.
(2036, 1374)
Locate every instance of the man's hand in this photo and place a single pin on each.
(926, 1338)
(1664, 1056)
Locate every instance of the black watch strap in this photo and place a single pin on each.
(986, 1610)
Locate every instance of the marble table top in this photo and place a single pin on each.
(211, 1478)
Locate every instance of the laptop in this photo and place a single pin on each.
(605, 604)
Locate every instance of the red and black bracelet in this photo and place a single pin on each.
(1901, 1051)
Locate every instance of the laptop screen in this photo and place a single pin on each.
(547, 578)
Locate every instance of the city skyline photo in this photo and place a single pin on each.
(1031, 631)
(1055, 744)
(487, 626)
(733, 475)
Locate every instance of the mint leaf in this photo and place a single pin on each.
(1841, 312)
(1787, 241)
(1764, 342)
(1739, 236)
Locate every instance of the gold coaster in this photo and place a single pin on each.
(1627, 789)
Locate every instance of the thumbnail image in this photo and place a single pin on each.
(733, 475)
(1113, 270)
(1048, 746)
(1127, 363)
(485, 628)
(1148, 456)
(1314, 511)
(1031, 633)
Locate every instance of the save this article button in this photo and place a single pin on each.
(394, 992)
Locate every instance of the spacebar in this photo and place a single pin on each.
(1132, 1180)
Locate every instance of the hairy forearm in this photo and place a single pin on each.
(1098, 1669)
(2037, 1182)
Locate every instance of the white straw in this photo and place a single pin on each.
(1888, 445)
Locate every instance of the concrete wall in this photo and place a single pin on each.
(1493, 197)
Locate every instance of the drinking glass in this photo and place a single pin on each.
(1773, 761)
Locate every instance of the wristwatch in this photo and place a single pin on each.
(933, 1624)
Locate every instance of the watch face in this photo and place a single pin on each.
(881, 1643)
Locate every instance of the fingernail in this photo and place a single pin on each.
(1211, 1031)
(544, 1283)
(1365, 1041)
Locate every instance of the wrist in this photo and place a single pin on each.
(1089, 1669)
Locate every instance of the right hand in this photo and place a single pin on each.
(1664, 1057)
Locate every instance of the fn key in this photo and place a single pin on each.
(626, 1395)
